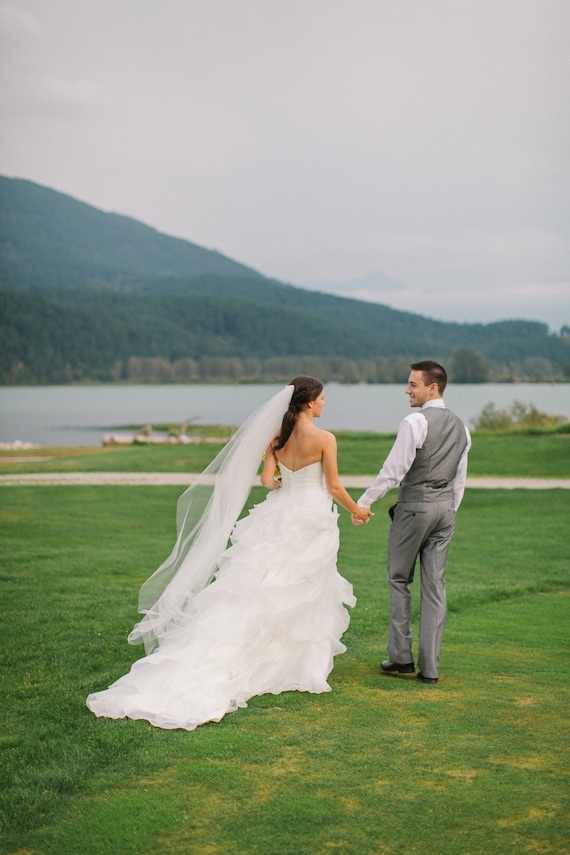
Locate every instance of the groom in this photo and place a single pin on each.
(429, 462)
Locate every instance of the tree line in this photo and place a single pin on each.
(463, 367)
(94, 336)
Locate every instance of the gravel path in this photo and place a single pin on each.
(183, 479)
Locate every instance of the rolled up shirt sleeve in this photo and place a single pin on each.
(411, 435)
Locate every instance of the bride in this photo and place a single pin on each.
(266, 614)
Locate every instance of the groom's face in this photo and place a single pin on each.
(417, 391)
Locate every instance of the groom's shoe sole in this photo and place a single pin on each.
(390, 667)
(429, 680)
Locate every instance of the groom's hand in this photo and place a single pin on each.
(356, 520)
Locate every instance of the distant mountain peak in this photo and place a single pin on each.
(374, 287)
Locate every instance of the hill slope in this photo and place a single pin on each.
(48, 238)
(94, 296)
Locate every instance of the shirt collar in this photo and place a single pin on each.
(438, 402)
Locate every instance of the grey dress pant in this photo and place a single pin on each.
(424, 529)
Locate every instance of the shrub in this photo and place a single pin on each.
(518, 416)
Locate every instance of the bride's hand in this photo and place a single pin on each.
(362, 517)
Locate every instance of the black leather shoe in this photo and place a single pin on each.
(431, 680)
(398, 667)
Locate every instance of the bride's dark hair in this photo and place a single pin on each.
(306, 389)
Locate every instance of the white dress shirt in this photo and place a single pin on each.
(412, 434)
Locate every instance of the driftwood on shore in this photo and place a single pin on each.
(145, 436)
(140, 439)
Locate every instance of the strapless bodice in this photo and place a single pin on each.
(308, 479)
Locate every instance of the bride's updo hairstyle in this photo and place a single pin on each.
(306, 389)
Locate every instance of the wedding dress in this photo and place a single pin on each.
(270, 622)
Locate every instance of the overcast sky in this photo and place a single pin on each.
(416, 149)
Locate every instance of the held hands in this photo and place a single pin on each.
(363, 516)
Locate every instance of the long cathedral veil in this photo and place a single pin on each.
(206, 514)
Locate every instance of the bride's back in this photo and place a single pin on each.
(304, 446)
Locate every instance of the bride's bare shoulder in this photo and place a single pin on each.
(327, 437)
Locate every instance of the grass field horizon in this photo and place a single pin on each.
(494, 454)
(378, 766)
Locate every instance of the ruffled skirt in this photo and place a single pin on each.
(270, 622)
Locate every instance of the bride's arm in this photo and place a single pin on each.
(270, 464)
(335, 488)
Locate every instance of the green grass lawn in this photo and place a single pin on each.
(379, 766)
(544, 455)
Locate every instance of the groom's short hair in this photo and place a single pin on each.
(433, 373)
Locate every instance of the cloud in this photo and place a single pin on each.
(57, 98)
(538, 300)
(18, 28)
(28, 86)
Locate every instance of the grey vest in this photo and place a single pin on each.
(435, 466)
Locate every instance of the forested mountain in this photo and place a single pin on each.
(88, 295)
(48, 238)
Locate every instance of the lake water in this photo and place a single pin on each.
(80, 415)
